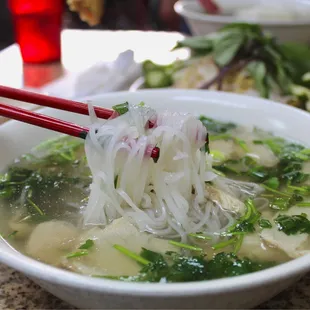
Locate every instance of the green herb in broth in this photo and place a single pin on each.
(173, 267)
(216, 127)
(247, 222)
(186, 246)
(283, 204)
(292, 225)
(77, 254)
(33, 187)
(244, 225)
(273, 183)
(58, 151)
(291, 158)
(131, 254)
(12, 234)
(85, 247)
(264, 224)
(58, 167)
(200, 236)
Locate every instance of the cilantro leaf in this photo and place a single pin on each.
(258, 71)
(292, 225)
(216, 126)
(87, 245)
(263, 223)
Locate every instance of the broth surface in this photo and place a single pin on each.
(43, 195)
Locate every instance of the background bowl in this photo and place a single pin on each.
(201, 23)
(90, 293)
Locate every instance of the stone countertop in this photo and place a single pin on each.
(18, 292)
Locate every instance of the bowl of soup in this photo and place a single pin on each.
(286, 20)
(187, 199)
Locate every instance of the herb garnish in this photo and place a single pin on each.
(12, 234)
(186, 246)
(263, 223)
(131, 254)
(242, 46)
(173, 267)
(121, 108)
(77, 254)
(43, 174)
(245, 224)
(88, 244)
(292, 225)
(200, 236)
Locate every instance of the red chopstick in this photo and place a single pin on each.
(43, 121)
(51, 123)
(52, 102)
(56, 103)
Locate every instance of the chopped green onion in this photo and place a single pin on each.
(132, 255)
(35, 207)
(12, 234)
(77, 254)
(186, 246)
(301, 189)
(220, 173)
(218, 155)
(242, 144)
(121, 108)
(223, 244)
(303, 204)
(200, 236)
(275, 191)
(238, 244)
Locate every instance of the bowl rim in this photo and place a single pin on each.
(182, 7)
(44, 272)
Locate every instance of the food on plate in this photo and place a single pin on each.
(239, 58)
(271, 11)
(221, 200)
(90, 11)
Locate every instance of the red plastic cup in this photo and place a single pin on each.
(38, 26)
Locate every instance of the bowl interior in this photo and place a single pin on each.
(17, 138)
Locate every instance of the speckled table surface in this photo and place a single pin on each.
(18, 292)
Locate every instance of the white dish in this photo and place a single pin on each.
(137, 84)
(202, 23)
(91, 293)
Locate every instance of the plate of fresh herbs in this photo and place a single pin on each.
(239, 58)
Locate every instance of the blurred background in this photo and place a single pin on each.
(118, 14)
(156, 55)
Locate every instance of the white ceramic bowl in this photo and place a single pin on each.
(201, 23)
(90, 293)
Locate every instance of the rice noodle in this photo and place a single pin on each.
(167, 198)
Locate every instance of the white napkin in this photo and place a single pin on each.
(100, 78)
